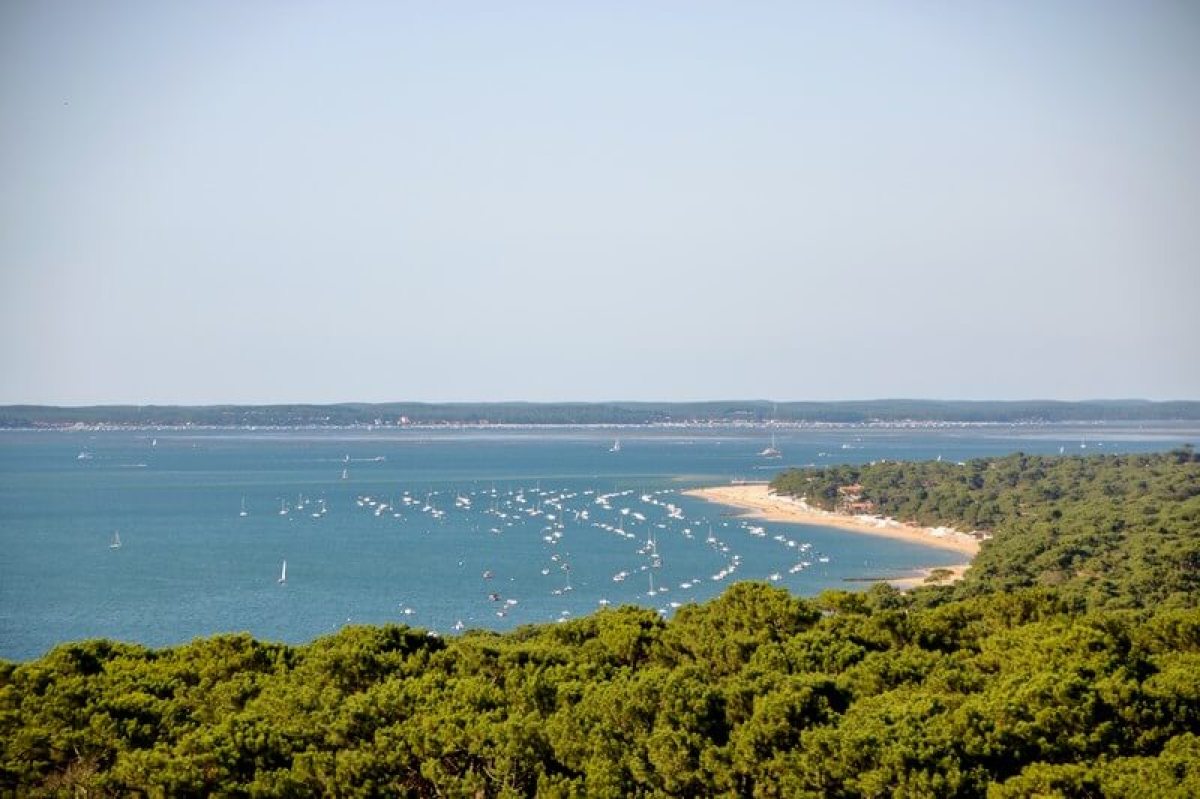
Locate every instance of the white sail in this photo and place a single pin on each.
(283, 573)
(116, 541)
(771, 451)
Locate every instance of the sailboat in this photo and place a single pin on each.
(651, 549)
(283, 573)
(616, 447)
(243, 511)
(771, 451)
(116, 541)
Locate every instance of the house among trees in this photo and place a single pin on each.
(849, 500)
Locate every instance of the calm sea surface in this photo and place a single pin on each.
(443, 530)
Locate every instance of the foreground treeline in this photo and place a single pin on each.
(1108, 531)
(1085, 685)
(753, 694)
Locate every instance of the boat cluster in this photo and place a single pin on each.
(645, 527)
(303, 505)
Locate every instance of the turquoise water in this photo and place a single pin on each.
(473, 544)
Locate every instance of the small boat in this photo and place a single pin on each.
(616, 447)
(345, 474)
(243, 512)
(771, 451)
(116, 541)
(283, 573)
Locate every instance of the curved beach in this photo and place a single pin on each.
(757, 501)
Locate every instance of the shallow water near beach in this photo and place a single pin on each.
(440, 529)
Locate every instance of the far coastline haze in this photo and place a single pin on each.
(261, 203)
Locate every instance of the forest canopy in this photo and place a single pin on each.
(1106, 531)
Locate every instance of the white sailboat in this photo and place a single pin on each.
(283, 573)
(616, 447)
(771, 451)
(116, 540)
(243, 511)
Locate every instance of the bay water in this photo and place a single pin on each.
(443, 529)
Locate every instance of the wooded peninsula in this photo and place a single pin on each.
(1065, 663)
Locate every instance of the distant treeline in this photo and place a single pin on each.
(529, 413)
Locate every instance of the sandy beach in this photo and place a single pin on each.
(756, 501)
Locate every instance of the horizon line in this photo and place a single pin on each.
(259, 404)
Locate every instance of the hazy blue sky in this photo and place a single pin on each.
(259, 202)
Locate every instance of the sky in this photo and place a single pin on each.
(231, 202)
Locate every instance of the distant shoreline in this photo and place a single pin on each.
(750, 413)
(1098, 425)
(757, 501)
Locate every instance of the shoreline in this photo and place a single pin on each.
(757, 501)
